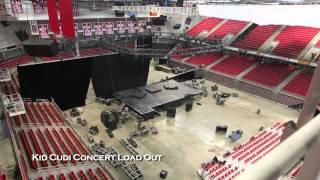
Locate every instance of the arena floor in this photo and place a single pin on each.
(189, 139)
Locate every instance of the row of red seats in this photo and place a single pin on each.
(50, 113)
(10, 88)
(92, 175)
(226, 174)
(70, 132)
(60, 55)
(204, 25)
(57, 148)
(204, 59)
(229, 27)
(56, 112)
(255, 39)
(293, 40)
(73, 176)
(238, 150)
(16, 61)
(219, 171)
(102, 174)
(254, 143)
(64, 146)
(268, 74)
(233, 65)
(37, 147)
(47, 147)
(25, 118)
(299, 85)
(93, 52)
(29, 113)
(33, 164)
(82, 175)
(43, 113)
(14, 79)
(17, 120)
(69, 141)
(35, 111)
(256, 146)
(263, 146)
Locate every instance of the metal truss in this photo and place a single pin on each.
(167, 10)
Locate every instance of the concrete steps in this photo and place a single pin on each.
(243, 73)
(215, 28)
(236, 36)
(303, 54)
(286, 81)
(216, 62)
(265, 46)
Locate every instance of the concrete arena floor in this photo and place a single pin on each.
(185, 141)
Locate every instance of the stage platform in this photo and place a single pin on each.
(144, 99)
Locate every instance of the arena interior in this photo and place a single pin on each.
(177, 90)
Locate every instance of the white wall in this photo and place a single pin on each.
(304, 15)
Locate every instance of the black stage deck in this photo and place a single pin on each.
(143, 99)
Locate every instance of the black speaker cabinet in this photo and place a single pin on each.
(189, 106)
(171, 112)
(40, 47)
(22, 35)
(221, 129)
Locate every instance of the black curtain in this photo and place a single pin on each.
(118, 72)
(66, 82)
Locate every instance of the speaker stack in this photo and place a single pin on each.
(189, 106)
(171, 112)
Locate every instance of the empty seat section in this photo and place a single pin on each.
(37, 146)
(293, 40)
(29, 113)
(33, 164)
(42, 111)
(204, 59)
(35, 110)
(56, 112)
(204, 25)
(233, 65)
(256, 37)
(69, 141)
(228, 27)
(77, 141)
(45, 143)
(50, 113)
(54, 144)
(299, 85)
(268, 74)
(64, 146)
(24, 59)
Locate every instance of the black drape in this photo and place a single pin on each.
(118, 72)
(66, 82)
